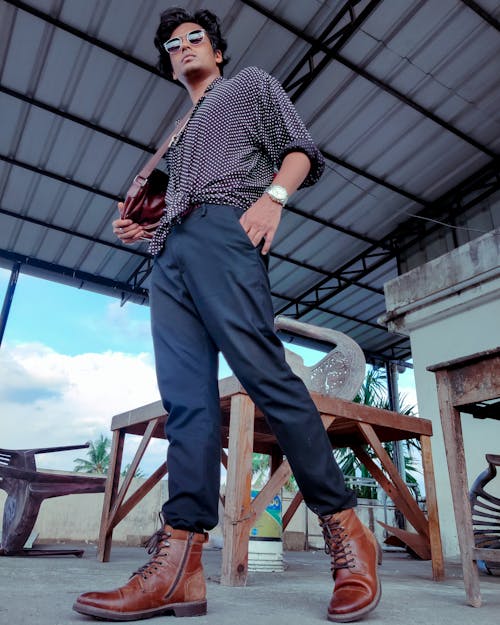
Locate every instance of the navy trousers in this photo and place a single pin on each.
(210, 292)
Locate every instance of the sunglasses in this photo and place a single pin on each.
(174, 45)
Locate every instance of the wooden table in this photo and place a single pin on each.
(244, 430)
(468, 385)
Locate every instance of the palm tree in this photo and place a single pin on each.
(261, 465)
(98, 457)
(374, 393)
(139, 472)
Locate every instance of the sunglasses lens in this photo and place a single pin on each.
(173, 45)
(195, 36)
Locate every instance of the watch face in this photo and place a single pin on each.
(279, 193)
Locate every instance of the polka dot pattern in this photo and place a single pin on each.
(232, 146)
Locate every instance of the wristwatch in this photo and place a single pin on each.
(277, 193)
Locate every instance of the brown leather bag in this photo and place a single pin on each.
(145, 200)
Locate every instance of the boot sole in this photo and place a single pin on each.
(193, 608)
(354, 616)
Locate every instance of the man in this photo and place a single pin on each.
(231, 169)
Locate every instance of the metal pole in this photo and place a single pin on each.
(7, 301)
(397, 449)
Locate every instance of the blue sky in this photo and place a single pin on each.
(72, 359)
(69, 319)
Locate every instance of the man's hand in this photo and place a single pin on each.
(127, 230)
(261, 221)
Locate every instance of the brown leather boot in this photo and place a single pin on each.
(171, 582)
(353, 550)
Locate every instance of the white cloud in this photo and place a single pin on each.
(121, 323)
(49, 399)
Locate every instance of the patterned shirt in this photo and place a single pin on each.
(232, 146)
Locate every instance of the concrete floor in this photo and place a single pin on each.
(41, 591)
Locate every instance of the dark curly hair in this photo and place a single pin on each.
(174, 17)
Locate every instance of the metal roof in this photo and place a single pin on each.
(402, 98)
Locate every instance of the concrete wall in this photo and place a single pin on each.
(77, 518)
(450, 308)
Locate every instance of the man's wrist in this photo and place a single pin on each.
(277, 193)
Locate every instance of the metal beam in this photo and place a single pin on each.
(486, 181)
(335, 313)
(149, 149)
(146, 148)
(375, 359)
(133, 252)
(329, 224)
(487, 17)
(120, 54)
(59, 178)
(78, 278)
(71, 233)
(380, 181)
(327, 36)
(297, 88)
(7, 300)
(335, 56)
(470, 185)
(75, 118)
(329, 274)
(140, 274)
(301, 308)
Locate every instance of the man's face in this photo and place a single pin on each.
(193, 58)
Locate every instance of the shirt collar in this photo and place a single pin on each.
(214, 83)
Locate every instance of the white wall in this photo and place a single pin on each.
(472, 330)
(450, 308)
(77, 518)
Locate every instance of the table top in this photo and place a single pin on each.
(465, 361)
(343, 430)
(472, 383)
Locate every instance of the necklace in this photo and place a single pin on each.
(175, 137)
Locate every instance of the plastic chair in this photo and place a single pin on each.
(26, 488)
(485, 509)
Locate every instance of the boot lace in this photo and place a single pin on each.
(337, 545)
(156, 547)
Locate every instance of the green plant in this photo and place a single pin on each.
(373, 392)
(98, 457)
(139, 472)
(261, 465)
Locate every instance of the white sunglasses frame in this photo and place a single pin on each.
(185, 36)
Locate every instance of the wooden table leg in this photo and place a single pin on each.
(432, 510)
(401, 495)
(237, 501)
(121, 493)
(112, 483)
(455, 455)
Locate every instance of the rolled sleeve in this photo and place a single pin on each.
(282, 131)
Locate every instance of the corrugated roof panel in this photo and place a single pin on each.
(120, 170)
(95, 262)
(120, 264)
(22, 53)
(442, 55)
(9, 226)
(61, 68)
(72, 253)
(11, 114)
